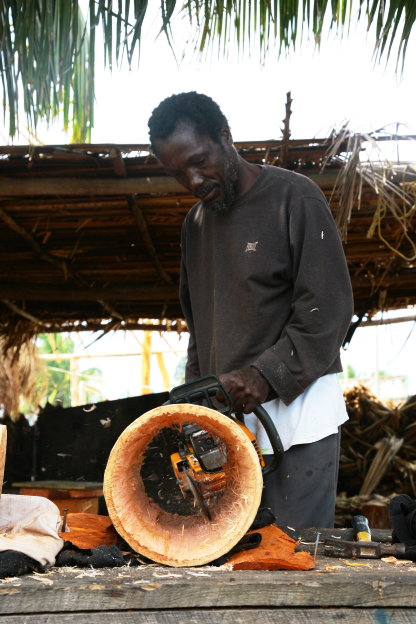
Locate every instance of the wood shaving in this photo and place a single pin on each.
(332, 568)
(45, 581)
(10, 579)
(356, 565)
(395, 561)
(150, 586)
(89, 573)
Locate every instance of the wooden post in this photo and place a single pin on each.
(284, 150)
(147, 353)
(3, 444)
(163, 370)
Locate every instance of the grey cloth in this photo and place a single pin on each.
(266, 284)
(302, 491)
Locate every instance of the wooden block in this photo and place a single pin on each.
(88, 530)
(276, 552)
(73, 505)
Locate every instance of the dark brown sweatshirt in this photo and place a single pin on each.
(266, 284)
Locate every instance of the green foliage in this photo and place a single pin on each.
(49, 46)
(61, 383)
(58, 386)
(350, 372)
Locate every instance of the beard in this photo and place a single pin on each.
(229, 188)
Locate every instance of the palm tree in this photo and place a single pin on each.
(47, 52)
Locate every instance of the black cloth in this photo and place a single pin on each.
(264, 517)
(247, 542)
(266, 284)
(99, 557)
(403, 521)
(15, 563)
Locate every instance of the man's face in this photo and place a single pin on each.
(209, 170)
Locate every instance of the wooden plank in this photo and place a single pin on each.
(80, 486)
(10, 187)
(332, 584)
(76, 187)
(30, 292)
(226, 616)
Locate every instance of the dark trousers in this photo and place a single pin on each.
(302, 491)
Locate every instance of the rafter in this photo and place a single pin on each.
(147, 239)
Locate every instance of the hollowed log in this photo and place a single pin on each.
(172, 538)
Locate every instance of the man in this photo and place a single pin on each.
(267, 298)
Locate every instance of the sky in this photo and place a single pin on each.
(330, 87)
(338, 84)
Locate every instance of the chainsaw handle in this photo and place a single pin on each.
(274, 439)
(202, 391)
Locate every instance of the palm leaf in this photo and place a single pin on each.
(47, 49)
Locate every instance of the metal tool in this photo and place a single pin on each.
(362, 549)
(361, 528)
(200, 457)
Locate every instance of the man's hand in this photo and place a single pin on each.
(247, 388)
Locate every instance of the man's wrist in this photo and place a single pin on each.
(271, 394)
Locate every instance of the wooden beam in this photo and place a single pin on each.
(33, 243)
(177, 326)
(40, 186)
(147, 240)
(14, 308)
(389, 321)
(119, 165)
(30, 292)
(91, 187)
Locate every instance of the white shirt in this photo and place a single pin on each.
(315, 414)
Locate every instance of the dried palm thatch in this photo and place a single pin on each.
(378, 446)
(389, 180)
(19, 371)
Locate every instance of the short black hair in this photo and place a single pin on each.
(197, 109)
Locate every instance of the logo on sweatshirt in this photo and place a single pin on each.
(251, 247)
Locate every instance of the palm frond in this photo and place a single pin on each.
(48, 49)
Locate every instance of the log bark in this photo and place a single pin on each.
(172, 538)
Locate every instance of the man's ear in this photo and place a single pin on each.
(225, 135)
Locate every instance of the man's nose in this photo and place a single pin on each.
(195, 180)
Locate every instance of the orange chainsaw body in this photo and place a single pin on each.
(188, 467)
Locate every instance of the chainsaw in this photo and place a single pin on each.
(198, 462)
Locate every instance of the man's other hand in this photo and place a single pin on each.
(247, 388)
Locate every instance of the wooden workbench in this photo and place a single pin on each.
(74, 496)
(334, 592)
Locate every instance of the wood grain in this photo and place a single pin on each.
(333, 584)
(227, 616)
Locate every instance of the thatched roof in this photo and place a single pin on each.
(89, 234)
